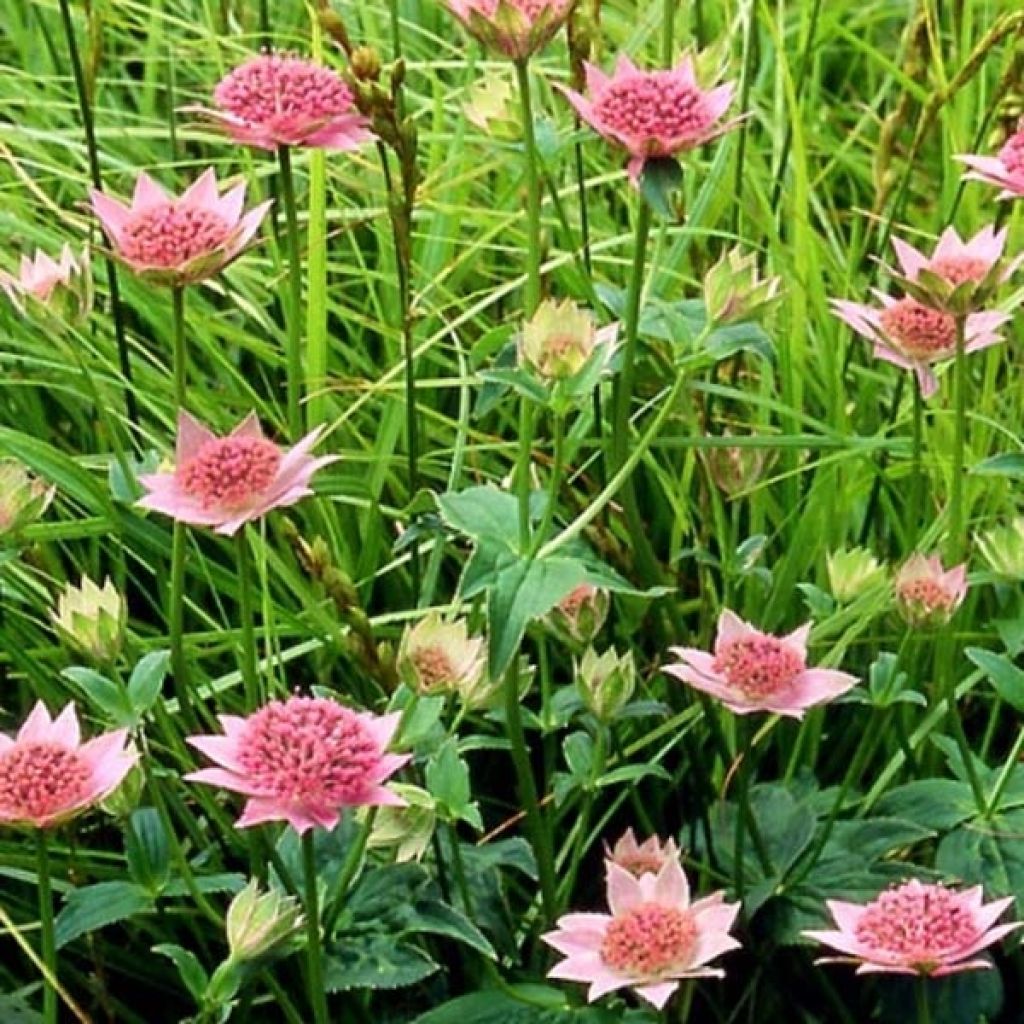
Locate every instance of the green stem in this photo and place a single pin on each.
(48, 945)
(924, 1011)
(250, 674)
(668, 22)
(1004, 775)
(314, 950)
(917, 481)
(583, 826)
(349, 868)
(522, 475)
(531, 295)
(554, 485)
(956, 540)
(396, 30)
(293, 355)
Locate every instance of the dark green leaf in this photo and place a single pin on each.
(376, 962)
(147, 847)
(146, 680)
(96, 906)
(1007, 679)
(193, 974)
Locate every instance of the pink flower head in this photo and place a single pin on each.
(648, 857)
(272, 101)
(928, 595)
(1005, 171)
(653, 937)
(652, 114)
(302, 760)
(63, 286)
(915, 928)
(225, 482)
(753, 671)
(515, 28)
(48, 775)
(178, 241)
(913, 336)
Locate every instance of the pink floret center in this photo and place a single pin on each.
(958, 269)
(271, 87)
(433, 666)
(650, 940)
(928, 594)
(758, 666)
(228, 472)
(919, 331)
(307, 749)
(39, 780)
(168, 235)
(922, 925)
(657, 109)
(1012, 154)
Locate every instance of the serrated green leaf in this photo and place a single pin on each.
(192, 973)
(376, 962)
(95, 906)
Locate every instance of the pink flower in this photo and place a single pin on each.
(653, 937)
(302, 761)
(63, 287)
(515, 28)
(954, 260)
(916, 928)
(652, 114)
(225, 482)
(913, 336)
(273, 101)
(178, 241)
(648, 857)
(47, 775)
(1006, 171)
(928, 595)
(753, 671)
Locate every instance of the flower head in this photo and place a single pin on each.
(178, 241)
(916, 928)
(515, 28)
(648, 857)
(48, 775)
(261, 924)
(1005, 171)
(926, 594)
(734, 291)
(752, 671)
(652, 114)
(605, 682)
(440, 657)
(92, 618)
(225, 482)
(62, 287)
(302, 761)
(560, 339)
(653, 937)
(23, 497)
(852, 571)
(579, 616)
(1003, 549)
(273, 100)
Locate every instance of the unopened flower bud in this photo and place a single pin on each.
(852, 572)
(579, 616)
(491, 106)
(1003, 549)
(91, 619)
(438, 657)
(23, 497)
(735, 469)
(927, 595)
(560, 338)
(261, 925)
(407, 830)
(365, 63)
(733, 291)
(60, 288)
(125, 799)
(605, 682)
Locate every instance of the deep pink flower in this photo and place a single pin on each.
(652, 113)
(648, 857)
(653, 937)
(515, 28)
(303, 760)
(225, 482)
(1005, 171)
(273, 101)
(928, 595)
(48, 775)
(178, 241)
(753, 671)
(916, 928)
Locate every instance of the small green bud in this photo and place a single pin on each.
(606, 682)
(852, 572)
(91, 619)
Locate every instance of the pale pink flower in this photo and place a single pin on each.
(916, 928)
(273, 100)
(225, 482)
(1005, 171)
(41, 276)
(652, 114)
(752, 671)
(178, 241)
(927, 594)
(303, 760)
(648, 857)
(48, 775)
(955, 261)
(653, 938)
(515, 28)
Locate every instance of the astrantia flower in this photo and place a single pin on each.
(653, 938)
(579, 616)
(91, 618)
(273, 101)
(225, 482)
(1005, 171)
(916, 928)
(302, 760)
(753, 671)
(62, 286)
(48, 775)
(515, 28)
(178, 241)
(915, 337)
(927, 594)
(648, 857)
(23, 497)
(652, 114)
(441, 657)
(561, 338)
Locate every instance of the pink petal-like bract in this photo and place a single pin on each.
(751, 671)
(653, 937)
(1005, 170)
(302, 761)
(225, 482)
(927, 594)
(514, 28)
(48, 776)
(916, 928)
(650, 856)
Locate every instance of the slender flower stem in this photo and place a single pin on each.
(293, 355)
(531, 295)
(250, 675)
(917, 481)
(48, 945)
(396, 30)
(668, 22)
(555, 484)
(353, 858)
(522, 475)
(956, 539)
(924, 1010)
(314, 950)
(586, 809)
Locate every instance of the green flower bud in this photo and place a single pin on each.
(733, 291)
(1003, 549)
(23, 497)
(579, 617)
(407, 830)
(561, 338)
(262, 925)
(491, 105)
(852, 572)
(91, 619)
(605, 682)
